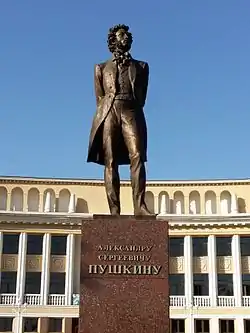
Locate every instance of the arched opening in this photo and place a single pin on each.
(16, 203)
(194, 203)
(3, 198)
(64, 197)
(163, 203)
(33, 200)
(210, 203)
(81, 206)
(49, 201)
(149, 200)
(225, 202)
(179, 203)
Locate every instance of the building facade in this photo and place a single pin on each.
(209, 248)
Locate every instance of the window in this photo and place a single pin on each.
(225, 285)
(176, 247)
(55, 324)
(177, 326)
(75, 325)
(226, 326)
(223, 246)
(176, 283)
(10, 243)
(201, 326)
(57, 283)
(30, 324)
(245, 246)
(8, 282)
(200, 246)
(58, 244)
(6, 324)
(33, 283)
(246, 284)
(200, 284)
(247, 326)
(35, 244)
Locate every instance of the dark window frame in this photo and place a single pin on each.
(6, 324)
(175, 281)
(30, 288)
(30, 324)
(176, 246)
(225, 288)
(58, 245)
(200, 249)
(32, 248)
(204, 326)
(53, 324)
(10, 239)
(222, 251)
(5, 287)
(55, 283)
(201, 285)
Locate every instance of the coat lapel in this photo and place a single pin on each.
(112, 69)
(132, 74)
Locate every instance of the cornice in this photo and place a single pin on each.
(176, 222)
(124, 183)
(202, 222)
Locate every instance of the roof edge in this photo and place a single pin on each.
(79, 181)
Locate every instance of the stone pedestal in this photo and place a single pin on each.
(124, 275)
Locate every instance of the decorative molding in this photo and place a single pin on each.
(176, 265)
(224, 265)
(177, 223)
(200, 265)
(34, 263)
(58, 264)
(9, 262)
(245, 264)
(95, 182)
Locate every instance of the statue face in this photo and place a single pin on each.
(123, 41)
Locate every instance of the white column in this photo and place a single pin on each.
(18, 323)
(237, 278)
(1, 251)
(164, 204)
(239, 325)
(212, 269)
(214, 325)
(47, 204)
(234, 204)
(45, 269)
(156, 204)
(69, 269)
(72, 203)
(21, 266)
(189, 324)
(218, 205)
(188, 258)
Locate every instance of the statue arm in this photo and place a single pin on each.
(145, 83)
(99, 91)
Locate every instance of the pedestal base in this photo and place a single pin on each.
(124, 275)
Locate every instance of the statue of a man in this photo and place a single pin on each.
(119, 133)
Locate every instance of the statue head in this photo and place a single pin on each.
(119, 39)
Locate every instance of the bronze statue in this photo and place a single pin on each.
(119, 133)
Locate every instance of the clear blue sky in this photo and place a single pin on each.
(198, 106)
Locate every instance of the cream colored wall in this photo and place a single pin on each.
(95, 197)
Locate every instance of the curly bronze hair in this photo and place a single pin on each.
(112, 42)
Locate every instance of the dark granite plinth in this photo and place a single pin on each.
(124, 276)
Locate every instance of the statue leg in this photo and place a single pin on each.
(132, 136)
(111, 173)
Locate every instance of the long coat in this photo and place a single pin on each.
(105, 90)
